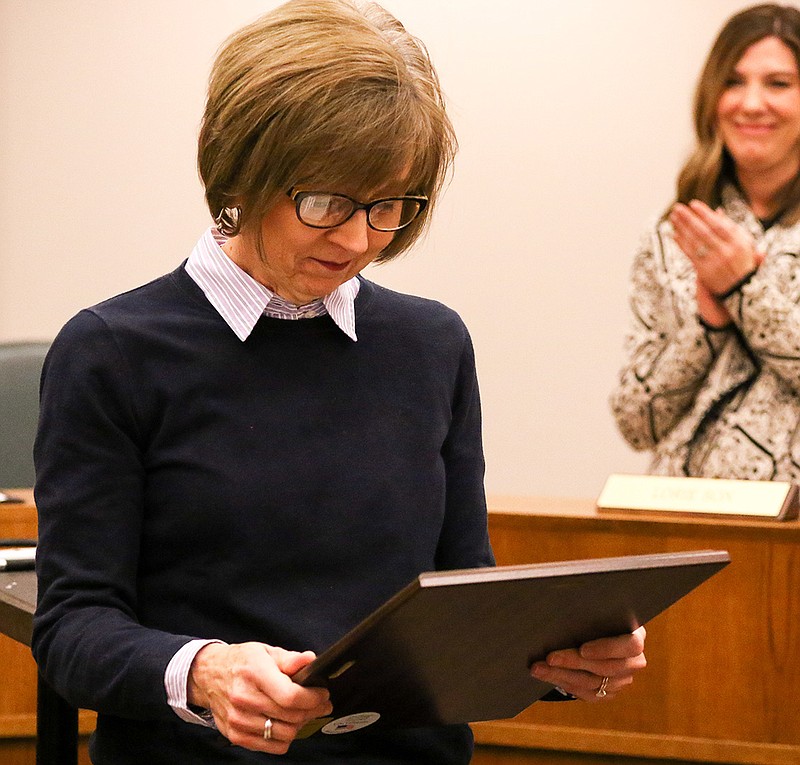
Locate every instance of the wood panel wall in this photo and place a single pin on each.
(723, 664)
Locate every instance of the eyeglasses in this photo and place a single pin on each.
(320, 209)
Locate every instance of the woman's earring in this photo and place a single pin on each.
(229, 220)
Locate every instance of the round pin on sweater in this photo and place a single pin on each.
(349, 723)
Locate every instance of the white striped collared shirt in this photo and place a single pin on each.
(240, 300)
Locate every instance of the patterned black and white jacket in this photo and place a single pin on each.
(714, 403)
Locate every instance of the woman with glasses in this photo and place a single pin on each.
(712, 380)
(241, 460)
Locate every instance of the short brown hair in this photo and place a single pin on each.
(710, 166)
(325, 92)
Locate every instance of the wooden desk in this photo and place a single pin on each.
(724, 663)
(30, 712)
(723, 680)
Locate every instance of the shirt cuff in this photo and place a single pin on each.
(176, 682)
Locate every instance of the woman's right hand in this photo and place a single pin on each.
(246, 684)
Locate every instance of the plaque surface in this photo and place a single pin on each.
(457, 646)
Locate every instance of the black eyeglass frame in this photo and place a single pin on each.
(298, 195)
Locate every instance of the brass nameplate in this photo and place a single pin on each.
(766, 500)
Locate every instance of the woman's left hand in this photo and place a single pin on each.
(598, 669)
(709, 309)
(721, 251)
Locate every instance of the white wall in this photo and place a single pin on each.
(573, 117)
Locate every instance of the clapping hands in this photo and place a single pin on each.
(721, 251)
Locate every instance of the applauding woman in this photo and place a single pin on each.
(712, 376)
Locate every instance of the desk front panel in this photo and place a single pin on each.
(723, 677)
(18, 694)
(18, 703)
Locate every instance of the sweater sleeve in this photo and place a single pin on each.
(668, 351)
(87, 640)
(464, 540)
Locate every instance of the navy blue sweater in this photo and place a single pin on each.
(279, 489)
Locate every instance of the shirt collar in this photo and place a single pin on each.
(240, 300)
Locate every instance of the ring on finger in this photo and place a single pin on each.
(701, 252)
(601, 691)
(267, 729)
